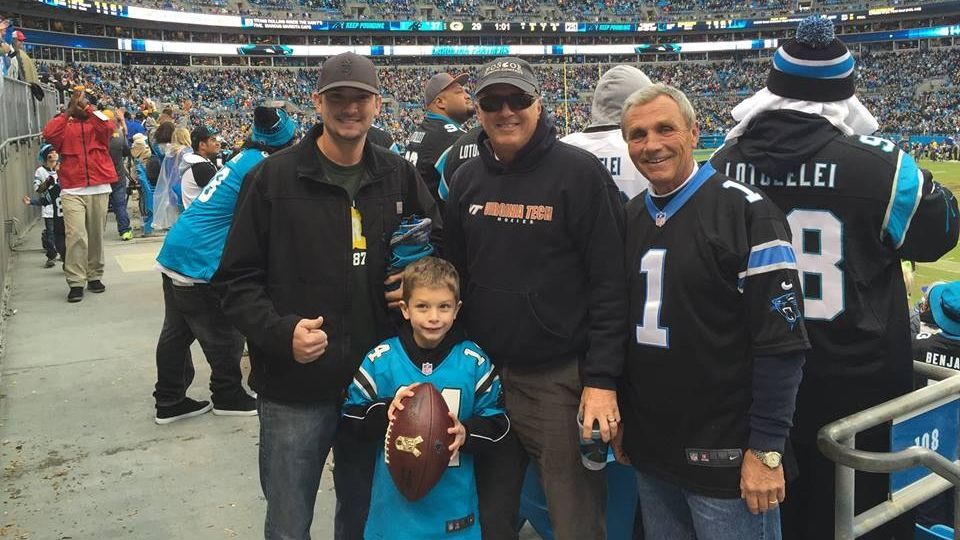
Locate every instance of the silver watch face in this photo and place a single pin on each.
(771, 459)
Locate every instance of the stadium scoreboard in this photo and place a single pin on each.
(482, 27)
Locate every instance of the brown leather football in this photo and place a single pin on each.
(416, 443)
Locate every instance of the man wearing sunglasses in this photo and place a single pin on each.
(536, 229)
(448, 107)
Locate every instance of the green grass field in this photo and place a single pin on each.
(948, 267)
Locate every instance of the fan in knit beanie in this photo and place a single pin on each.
(814, 66)
(812, 73)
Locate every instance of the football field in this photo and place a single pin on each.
(948, 267)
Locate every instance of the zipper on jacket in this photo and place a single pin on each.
(347, 291)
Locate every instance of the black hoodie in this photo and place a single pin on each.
(539, 246)
(778, 142)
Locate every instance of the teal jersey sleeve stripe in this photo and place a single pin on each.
(395, 148)
(443, 189)
(905, 196)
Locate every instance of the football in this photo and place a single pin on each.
(416, 442)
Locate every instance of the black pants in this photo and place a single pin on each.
(194, 314)
(499, 471)
(54, 238)
(354, 460)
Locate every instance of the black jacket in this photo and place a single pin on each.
(539, 246)
(288, 257)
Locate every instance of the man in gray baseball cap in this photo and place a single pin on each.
(303, 274)
(560, 354)
(448, 106)
(508, 70)
(349, 70)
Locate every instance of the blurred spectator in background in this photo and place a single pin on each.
(200, 166)
(167, 203)
(602, 136)
(119, 154)
(47, 188)
(81, 135)
(21, 66)
(134, 125)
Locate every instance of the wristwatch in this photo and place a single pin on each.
(770, 459)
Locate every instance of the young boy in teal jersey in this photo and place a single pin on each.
(429, 349)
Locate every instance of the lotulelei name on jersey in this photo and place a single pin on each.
(820, 175)
(943, 360)
(612, 164)
(468, 151)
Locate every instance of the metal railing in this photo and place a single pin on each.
(20, 114)
(836, 441)
(21, 122)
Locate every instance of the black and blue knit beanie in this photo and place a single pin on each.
(272, 126)
(814, 66)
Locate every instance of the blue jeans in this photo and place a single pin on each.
(118, 199)
(54, 238)
(670, 512)
(295, 439)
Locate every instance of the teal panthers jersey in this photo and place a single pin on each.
(194, 244)
(468, 384)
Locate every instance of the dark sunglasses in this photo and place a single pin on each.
(516, 102)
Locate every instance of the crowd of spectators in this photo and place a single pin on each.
(924, 99)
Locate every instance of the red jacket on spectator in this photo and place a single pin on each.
(83, 148)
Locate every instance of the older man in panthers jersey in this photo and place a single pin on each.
(716, 348)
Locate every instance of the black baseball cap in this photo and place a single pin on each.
(349, 70)
(200, 134)
(508, 70)
(440, 82)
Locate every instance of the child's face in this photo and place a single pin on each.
(52, 159)
(431, 312)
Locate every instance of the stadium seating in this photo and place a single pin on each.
(223, 97)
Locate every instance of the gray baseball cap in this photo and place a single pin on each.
(508, 70)
(440, 82)
(349, 70)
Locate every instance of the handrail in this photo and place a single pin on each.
(836, 441)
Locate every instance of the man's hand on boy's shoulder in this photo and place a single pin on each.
(395, 296)
(309, 341)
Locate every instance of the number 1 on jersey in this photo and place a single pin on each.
(649, 332)
(452, 397)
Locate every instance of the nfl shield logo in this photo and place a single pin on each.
(661, 219)
(427, 368)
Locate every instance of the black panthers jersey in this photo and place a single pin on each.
(452, 158)
(381, 137)
(933, 347)
(857, 205)
(434, 135)
(713, 284)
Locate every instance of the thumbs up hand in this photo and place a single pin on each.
(309, 341)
